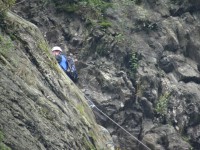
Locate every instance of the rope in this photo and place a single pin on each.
(123, 129)
(92, 105)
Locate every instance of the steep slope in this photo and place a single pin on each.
(138, 61)
(41, 108)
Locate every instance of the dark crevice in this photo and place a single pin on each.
(92, 141)
(191, 79)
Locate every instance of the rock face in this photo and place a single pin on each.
(138, 62)
(40, 107)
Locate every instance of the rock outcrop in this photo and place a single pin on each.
(41, 108)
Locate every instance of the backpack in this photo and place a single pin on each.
(68, 65)
(72, 73)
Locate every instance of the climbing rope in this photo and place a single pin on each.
(92, 105)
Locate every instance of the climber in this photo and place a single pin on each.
(66, 63)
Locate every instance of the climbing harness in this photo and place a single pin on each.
(93, 106)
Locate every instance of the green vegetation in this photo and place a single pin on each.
(83, 113)
(2, 145)
(97, 8)
(162, 104)
(88, 144)
(80, 108)
(134, 62)
(143, 22)
(119, 38)
(72, 6)
(98, 4)
(5, 5)
(6, 45)
(138, 2)
(93, 10)
(43, 46)
(90, 140)
(133, 65)
(1, 136)
(69, 8)
(105, 24)
(101, 49)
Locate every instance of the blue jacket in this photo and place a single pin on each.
(67, 64)
(62, 60)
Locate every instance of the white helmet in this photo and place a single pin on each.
(56, 48)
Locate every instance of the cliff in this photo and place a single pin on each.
(138, 61)
(41, 108)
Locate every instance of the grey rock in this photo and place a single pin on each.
(37, 111)
(165, 35)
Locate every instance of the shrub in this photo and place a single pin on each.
(134, 62)
(71, 6)
(105, 24)
(98, 4)
(91, 7)
(162, 104)
(119, 38)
